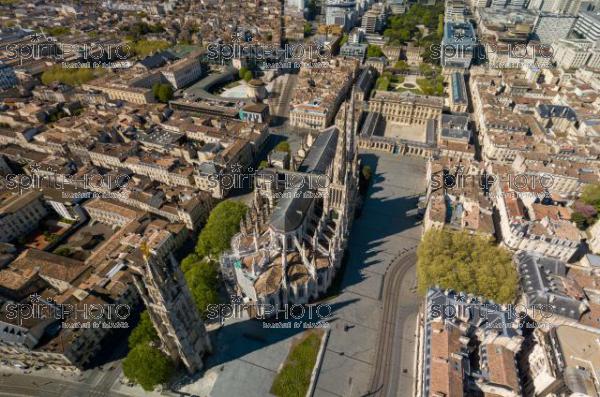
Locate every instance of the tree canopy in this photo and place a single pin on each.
(403, 27)
(402, 66)
(162, 92)
(147, 366)
(72, 77)
(146, 47)
(223, 223)
(591, 195)
(143, 333)
(462, 262)
(374, 51)
(59, 31)
(283, 146)
(242, 72)
(248, 75)
(307, 29)
(202, 279)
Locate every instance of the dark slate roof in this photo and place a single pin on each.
(563, 112)
(594, 259)
(459, 90)
(208, 168)
(455, 120)
(291, 209)
(456, 133)
(486, 315)
(365, 78)
(157, 60)
(540, 280)
(321, 152)
(372, 125)
(430, 132)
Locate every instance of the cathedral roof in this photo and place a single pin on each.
(269, 282)
(296, 271)
(291, 209)
(321, 153)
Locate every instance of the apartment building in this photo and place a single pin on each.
(183, 72)
(20, 213)
(572, 54)
(459, 330)
(458, 45)
(120, 91)
(588, 25)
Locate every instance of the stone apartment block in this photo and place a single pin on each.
(20, 213)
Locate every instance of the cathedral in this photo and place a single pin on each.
(292, 240)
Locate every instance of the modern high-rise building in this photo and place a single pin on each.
(171, 308)
(299, 4)
(570, 54)
(551, 27)
(588, 25)
(340, 13)
(373, 20)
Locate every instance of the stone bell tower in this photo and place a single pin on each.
(172, 309)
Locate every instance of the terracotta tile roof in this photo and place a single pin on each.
(50, 265)
(446, 366)
(501, 366)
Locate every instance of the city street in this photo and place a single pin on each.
(361, 328)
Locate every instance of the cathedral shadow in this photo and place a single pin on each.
(240, 339)
(388, 219)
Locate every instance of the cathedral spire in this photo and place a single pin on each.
(340, 151)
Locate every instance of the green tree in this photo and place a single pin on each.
(147, 366)
(248, 75)
(382, 83)
(63, 251)
(165, 93)
(223, 223)
(242, 72)
(591, 195)
(143, 48)
(189, 261)
(580, 220)
(462, 262)
(203, 282)
(367, 172)
(426, 70)
(162, 92)
(374, 51)
(402, 66)
(365, 176)
(283, 146)
(58, 31)
(440, 27)
(143, 333)
(72, 77)
(263, 164)
(307, 29)
(344, 39)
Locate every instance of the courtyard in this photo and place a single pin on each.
(414, 133)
